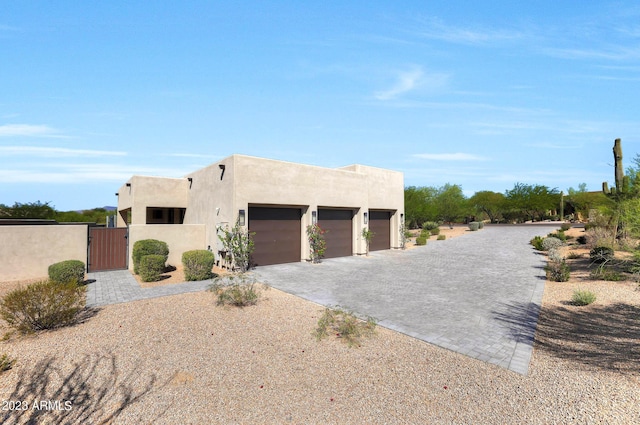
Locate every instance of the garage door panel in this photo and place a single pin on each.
(276, 235)
(338, 225)
(379, 224)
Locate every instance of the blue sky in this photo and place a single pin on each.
(480, 94)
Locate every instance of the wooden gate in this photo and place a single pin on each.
(107, 248)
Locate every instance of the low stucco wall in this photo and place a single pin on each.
(26, 252)
(179, 237)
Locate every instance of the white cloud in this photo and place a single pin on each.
(413, 79)
(437, 30)
(55, 152)
(450, 156)
(28, 130)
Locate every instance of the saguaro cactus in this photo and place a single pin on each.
(622, 181)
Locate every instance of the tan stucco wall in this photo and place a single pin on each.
(28, 251)
(151, 192)
(179, 238)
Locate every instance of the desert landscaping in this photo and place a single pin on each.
(182, 359)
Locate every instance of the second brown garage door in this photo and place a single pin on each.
(339, 231)
(379, 224)
(276, 235)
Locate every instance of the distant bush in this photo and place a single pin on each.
(151, 267)
(430, 225)
(421, 240)
(601, 254)
(197, 264)
(474, 226)
(537, 242)
(43, 305)
(559, 234)
(237, 290)
(344, 325)
(581, 297)
(67, 271)
(147, 247)
(442, 237)
(565, 226)
(435, 231)
(6, 362)
(554, 255)
(481, 225)
(558, 271)
(574, 255)
(551, 242)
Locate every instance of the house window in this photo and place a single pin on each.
(160, 215)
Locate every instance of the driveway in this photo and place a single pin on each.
(478, 294)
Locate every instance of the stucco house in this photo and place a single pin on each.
(276, 200)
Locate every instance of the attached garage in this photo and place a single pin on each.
(338, 224)
(380, 225)
(277, 235)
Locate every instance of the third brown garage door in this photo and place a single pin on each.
(276, 235)
(339, 231)
(379, 224)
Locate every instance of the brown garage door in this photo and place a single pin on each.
(277, 235)
(339, 231)
(379, 224)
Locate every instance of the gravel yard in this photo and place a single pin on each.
(181, 359)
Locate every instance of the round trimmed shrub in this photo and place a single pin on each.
(551, 242)
(474, 226)
(481, 225)
(67, 271)
(435, 231)
(147, 247)
(421, 240)
(442, 237)
(197, 264)
(151, 267)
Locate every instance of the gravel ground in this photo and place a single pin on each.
(183, 360)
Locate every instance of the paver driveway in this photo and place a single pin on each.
(478, 294)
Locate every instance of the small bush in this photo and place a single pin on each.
(345, 325)
(197, 264)
(601, 254)
(537, 242)
(574, 255)
(558, 234)
(550, 243)
(147, 247)
(67, 271)
(554, 255)
(608, 274)
(435, 231)
(474, 226)
(43, 305)
(481, 225)
(421, 240)
(565, 226)
(430, 225)
(236, 290)
(582, 240)
(581, 297)
(6, 363)
(425, 233)
(442, 237)
(151, 267)
(558, 271)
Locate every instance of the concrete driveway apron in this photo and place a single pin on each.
(478, 294)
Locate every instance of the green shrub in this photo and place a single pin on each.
(481, 225)
(147, 247)
(581, 297)
(435, 231)
(43, 305)
(442, 237)
(236, 290)
(197, 264)
(565, 226)
(67, 271)
(474, 226)
(151, 267)
(421, 240)
(558, 234)
(608, 274)
(430, 225)
(551, 242)
(344, 325)
(425, 233)
(537, 242)
(6, 362)
(601, 254)
(558, 271)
